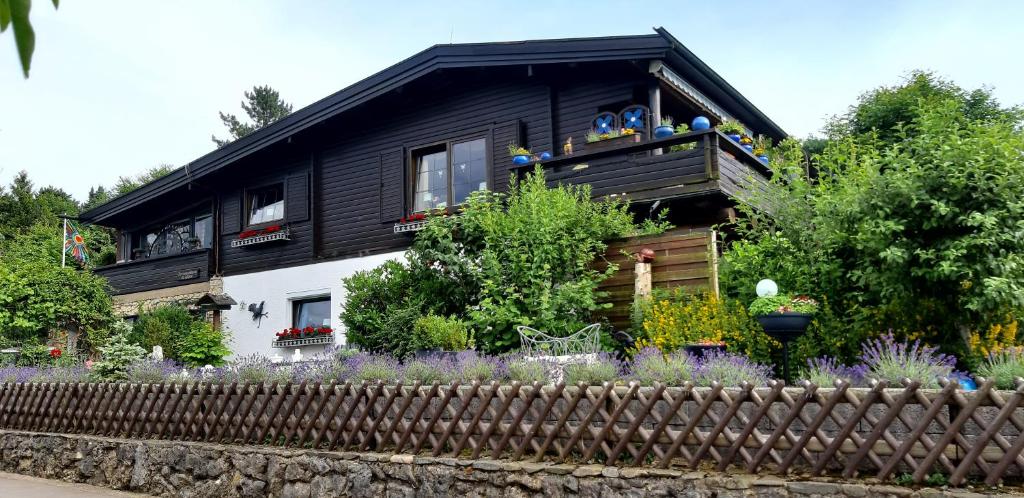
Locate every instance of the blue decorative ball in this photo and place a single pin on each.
(520, 160)
(544, 156)
(700, 123)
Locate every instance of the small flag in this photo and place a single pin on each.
(74, 244)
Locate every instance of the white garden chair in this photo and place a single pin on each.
(585, 341)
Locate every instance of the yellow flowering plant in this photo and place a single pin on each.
(672, 320)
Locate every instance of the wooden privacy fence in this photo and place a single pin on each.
(682, 258)
(841, 430)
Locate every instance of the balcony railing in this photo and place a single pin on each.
(649, 170)
(158, 272)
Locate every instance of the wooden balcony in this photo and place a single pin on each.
(158, 272)
(649, 171)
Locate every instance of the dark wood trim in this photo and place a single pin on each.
(315, 203)
(136, 262)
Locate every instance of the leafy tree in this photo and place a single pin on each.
(921, 233)
(37, 296)
(14, 14)
(892, 111)
(263, 105)
(126, 184)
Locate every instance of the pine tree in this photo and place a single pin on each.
(263, 105)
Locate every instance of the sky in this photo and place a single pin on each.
(117, 87)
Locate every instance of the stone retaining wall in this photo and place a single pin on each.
(170, 468)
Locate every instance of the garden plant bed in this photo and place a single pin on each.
(880, 432)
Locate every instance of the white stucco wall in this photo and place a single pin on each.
(277, 289)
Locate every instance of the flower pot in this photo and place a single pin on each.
(785, 326)
(521, 160)
(763, 158)
(611, 143)
(735, 137)
(663, 132)
(748, 147)
(702, 350)
(700, 123)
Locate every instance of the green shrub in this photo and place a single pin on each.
(204, 345)
(117, 356)
(438, 332)
(166, 326)
(381, 309)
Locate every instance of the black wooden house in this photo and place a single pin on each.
(331, 188)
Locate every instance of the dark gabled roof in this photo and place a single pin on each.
(654, 46)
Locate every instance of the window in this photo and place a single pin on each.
(446, 174)
(311, 313)
(266, 204)
(182, 235)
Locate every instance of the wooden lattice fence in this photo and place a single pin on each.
(880, 431)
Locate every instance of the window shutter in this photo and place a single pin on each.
(392, 185)
(296, 198)
(230, 213)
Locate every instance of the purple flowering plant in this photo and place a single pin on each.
(824, 371)
(893, 361)
(650, 365)
(730, 369)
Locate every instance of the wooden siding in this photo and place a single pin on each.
(156, 273)
(292, 170)
(365, 177)
(348, 180)
(682, 259)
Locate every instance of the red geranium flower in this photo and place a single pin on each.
(55, 353)
(272, 229)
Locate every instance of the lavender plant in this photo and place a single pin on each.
(824, 371)
(528, 370)
(372, 368)
(650, 365)
(151, 372)
(472, 366)
(1004, 367)
(893, 361)
(429, 369)
(605, 368)
(731, 370)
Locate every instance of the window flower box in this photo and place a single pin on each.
(308, 336)
(412, 223)
(260, 236)
(614, 142)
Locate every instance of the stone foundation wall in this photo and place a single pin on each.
(170, 468)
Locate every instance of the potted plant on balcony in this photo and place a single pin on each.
(665, 130)
(747, 143)
(682, 128)
(761, 146)
(733, 129)
(520, 155)
(612, 139)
